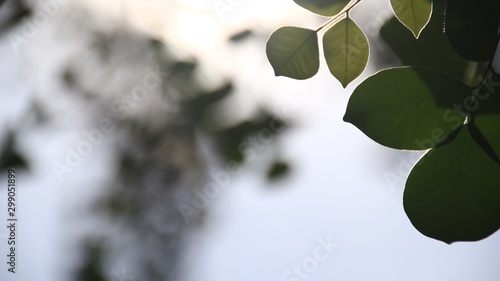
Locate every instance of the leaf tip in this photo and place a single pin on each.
(417, 33)
(346, 118)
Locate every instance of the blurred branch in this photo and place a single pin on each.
(12, 13)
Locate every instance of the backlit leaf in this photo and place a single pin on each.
(453, 194)
(293, 52)
(432, 49)
(346, 50)
(414, 14)
(407, 108)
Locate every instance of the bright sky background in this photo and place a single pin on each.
(254, 231)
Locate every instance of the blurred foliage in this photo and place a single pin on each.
(195, 107)
(92, 269)
(155, 146)
(241, 36)
(9, 156)
(230, 140)
(278, 170)
(12, 13)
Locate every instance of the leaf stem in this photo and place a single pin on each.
(337, 16)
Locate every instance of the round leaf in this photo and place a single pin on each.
(453, 193)
(346, 50)
(471, 28)
(293, 52)
(414, 14)
(407, 108)
(325, 8)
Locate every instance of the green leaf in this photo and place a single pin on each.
(453, 193)
(293, 52)
(432, 49)
(346, 50)
(481, 140)
(325, 8)
(407, 108)
(487, 117)
(414, 14)
(471, 28)
(495, 4)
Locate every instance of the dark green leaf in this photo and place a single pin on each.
(481, 140)
(495, 4)
(487, 117)
(407, 108)
(453, 192)
(326, 8)
(293, 52)
(346, 50)
(471, 28)
(414, 14)
(432, 48)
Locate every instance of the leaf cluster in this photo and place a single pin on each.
(432, 103)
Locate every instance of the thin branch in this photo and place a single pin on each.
(337, 16)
